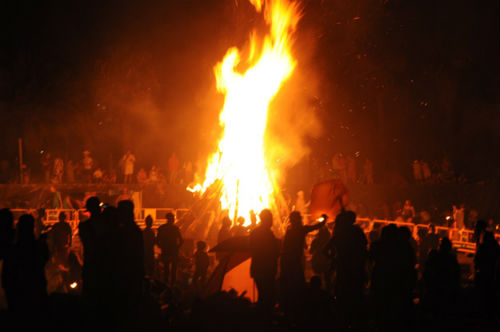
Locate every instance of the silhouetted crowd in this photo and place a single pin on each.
(128, 278)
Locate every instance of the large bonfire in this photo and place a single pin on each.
(244, 177)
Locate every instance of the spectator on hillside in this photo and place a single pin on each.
(408, 211)
(57, 202)
(142, 176)
(111, 176)
(70, 171)
(58, 170)
(426, 171)
(98, 175)
(88, 165)
(417, 171)
(153, 174)
(173, 168)
(447, 171)
(127, 162)
(46, 162)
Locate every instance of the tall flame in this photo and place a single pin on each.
(240, 164)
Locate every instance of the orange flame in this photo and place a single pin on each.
(240, 163)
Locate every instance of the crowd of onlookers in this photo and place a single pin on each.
(56, 170)
(107, 272)
(347, 168)
(435, 172)
(351, 169)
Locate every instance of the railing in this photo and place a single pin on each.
(73, 217)
(461, 238)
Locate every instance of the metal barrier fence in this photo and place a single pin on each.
(461, 238)
(73, 217)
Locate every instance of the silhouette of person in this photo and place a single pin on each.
(238, 229)
(292, 261)
(225, 230)
(441, 278)
(201, 263)
(428, 241)
(393, 277)
(23, 272)
(319, 261)
(148, 236)
(348, 250)
(6, 240)
(479, 230)
(63, 262)
(128, 263)
(6, 231)
(486, 277)
(264, 249)
(169, 240)
(39, 224)
(318, 306)
(61, 234)
(97, 258)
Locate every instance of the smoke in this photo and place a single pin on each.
(293, 115)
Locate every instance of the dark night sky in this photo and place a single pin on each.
(396, 80)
